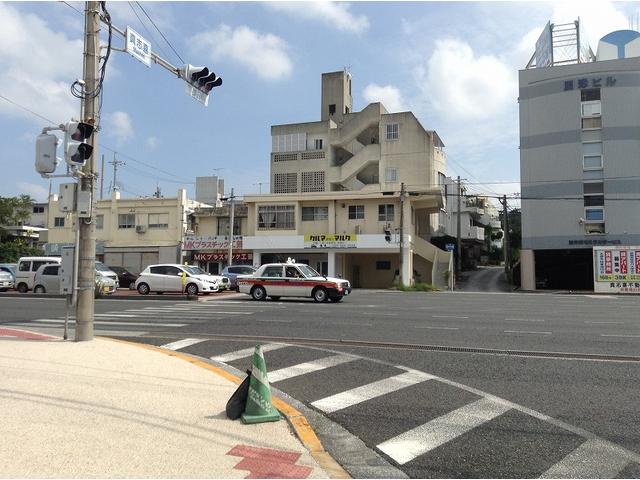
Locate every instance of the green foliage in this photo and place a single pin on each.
(15, 210)
(419, 287)
(10, 252)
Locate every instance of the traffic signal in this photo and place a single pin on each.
(46, 150)
(201, 78)
(387, 235)
(76, 151)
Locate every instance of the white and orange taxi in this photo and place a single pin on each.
(290, 279)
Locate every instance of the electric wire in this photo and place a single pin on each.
(165, 38)
(156, 43)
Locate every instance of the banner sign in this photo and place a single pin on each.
(345, 240)
(222, 257)
(617, 269)
(213, 242)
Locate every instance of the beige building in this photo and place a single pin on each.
(131, 232)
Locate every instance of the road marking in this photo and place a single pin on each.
(524, 320)
(601, 296)
(246, 352)
(361, 394)
(420, 440)
(446, 316)
(123, 315)
(604, 323)
(308, 367)
(182, 311)
(623, 336)
(275, 321)
(183, 343)
(440, 328)
(101, 322)
(592, 459)
(528, 332)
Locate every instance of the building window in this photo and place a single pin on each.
(594, 228)
(591, 162)
(383, 265)
(276, 217)
(591, 123)
(99, 222)
(58, 222)
(393, 131)
(593, 200)
(332, 109)
(589, 94)
(158, 220)
(592, 175)
(223, 225)
(38, 209)
(126, 220)
(391, 174)
(314, 214)
(592, 148)
(285, 182)
(385, 213)
(313, 181)
(594, 214)
(317, 143)
(591, 188)
(292, 142)
(356, 212)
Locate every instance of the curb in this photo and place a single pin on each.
(297, 420)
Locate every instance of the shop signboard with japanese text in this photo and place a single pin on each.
(345, 240)
(212, 242)
(616, 269)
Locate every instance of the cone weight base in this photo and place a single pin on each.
(270, 417)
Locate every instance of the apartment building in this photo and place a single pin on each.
(336, 200)
(130, 232)
(579, 146)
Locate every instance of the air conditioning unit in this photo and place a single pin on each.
(141, 228)
(358, 230)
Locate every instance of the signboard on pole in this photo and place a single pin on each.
(450, 247)
(544, 48)
(616, 269)
(197, 94)
(138, 46)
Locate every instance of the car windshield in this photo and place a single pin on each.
(308, 271)
(101, 267)
(195, 271)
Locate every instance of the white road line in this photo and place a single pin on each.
(420, 440)
(524, 320)
(592, 459)
(601, 296)
(275, 321)
(623, 336)
(446, 316)
(183, 343)
(185, 312)
(440, 328)
(246, 352)
(122, 315)
(361, 394)
(604, 323)
(101, 322)
(528, 332)
(308, 367)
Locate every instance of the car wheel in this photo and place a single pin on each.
(143, 289)
(39, 289)
(320, 295)
(192, 289)
(276, 298)
(22, 288)
(258, 293)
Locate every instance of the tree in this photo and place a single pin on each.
(10, 252)
(515, 232)
(14, 211)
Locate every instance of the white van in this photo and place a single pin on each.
(26, 271)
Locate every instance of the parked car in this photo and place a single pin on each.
(291, 279)
(47, 280)
(234, 271)
(6, 281)
(105, 271)
(168, 278)
(9, 268)
(223, 281)
(27, 267)
(126, 279)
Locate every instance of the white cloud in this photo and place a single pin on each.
(460, 85)
(597, 17)
(265, 54)
(388, 95)
(335, 14)
(152, 142)
(39, 66)
(119, 127)
(37, 192)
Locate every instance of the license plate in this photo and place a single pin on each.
(106, 289)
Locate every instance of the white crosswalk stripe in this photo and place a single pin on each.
(592, 459)
(308, 367)
(361, 394)
(183, 343)
(105, 322)
(246, 352)
(420, 440)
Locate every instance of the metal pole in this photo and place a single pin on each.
(458, 233)
(401, 280)
(505, 242)
(87, 239)
(102, 177)
(231, 220)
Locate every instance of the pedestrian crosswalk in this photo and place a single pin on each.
(431, 437)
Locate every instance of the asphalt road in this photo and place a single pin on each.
(556, 396)
(484, 279)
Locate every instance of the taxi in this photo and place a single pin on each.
(290, 279)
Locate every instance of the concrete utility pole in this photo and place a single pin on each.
(231, 220)
(116, 164)
(86, 231)
(403, 194)
(102, 177)
(458, 233)
(505, 241)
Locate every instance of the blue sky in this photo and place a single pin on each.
(454, 64)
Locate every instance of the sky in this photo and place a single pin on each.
(453, 64)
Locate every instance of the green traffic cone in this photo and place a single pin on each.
(258, 408)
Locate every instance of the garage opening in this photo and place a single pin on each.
(564, 269)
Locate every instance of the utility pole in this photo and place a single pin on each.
(116, 164)
(401, 280)
(102, 177)
(505, 241)
(458, 233)
(86, 231)
(260, 185)
(231, 220)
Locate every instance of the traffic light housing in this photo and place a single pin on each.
(46, 151)
(201, 78)
(76, 150)
(387, 235)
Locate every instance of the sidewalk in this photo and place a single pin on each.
(111, 410)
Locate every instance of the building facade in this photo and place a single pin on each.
(580, 174)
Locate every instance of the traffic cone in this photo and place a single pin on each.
(258, 408)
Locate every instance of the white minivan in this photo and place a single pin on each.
(26, 271)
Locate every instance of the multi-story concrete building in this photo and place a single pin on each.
(336, 198)
(579, 144)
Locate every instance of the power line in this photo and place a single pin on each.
(25, 108)
(156, 44)
(165, 38)
(72, 7)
